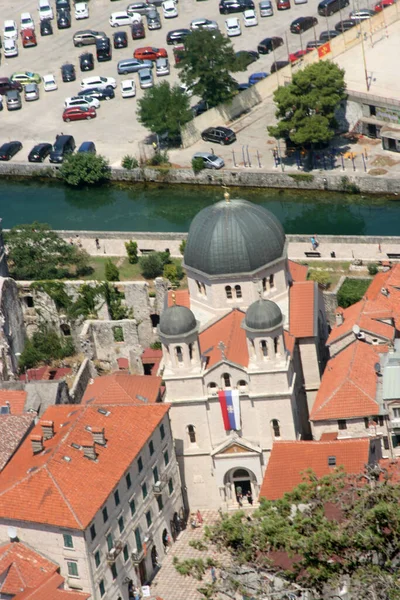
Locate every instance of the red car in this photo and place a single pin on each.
(282, 4)
(78, 113)
(178, 53)
(383, 4)
(138, 31)
(28, 38)
(297, 55)
(149, 53)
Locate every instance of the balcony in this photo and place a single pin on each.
(113, 553)
(137, 557)
(157, 488)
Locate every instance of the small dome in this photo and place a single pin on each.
(233, 237)
(263, 315)
(177, 320)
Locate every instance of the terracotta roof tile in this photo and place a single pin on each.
(13, 429)
(289, 460)
(302, 297)
(229, 331)
(298, 271)
(51, 589)
(348, 386)
(182, 298)
(45, 374)
(15, 399)
(122, 388)
(62, 492)
(290, 341)
(22, 567)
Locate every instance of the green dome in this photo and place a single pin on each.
(233, 237)
(263, 315)
(177, 320)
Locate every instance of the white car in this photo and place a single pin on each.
(250, 18)
(49, 83)
(81, 10)
(93, 82)
(27, 21)
(10, 48)
(128, 88)
(169, 9)
(10, 31)
(45, 11)
(232, 27)
(203, 24)
(82, 101)
(122, 18)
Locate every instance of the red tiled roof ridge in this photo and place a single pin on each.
(218, 319)
(64, 498)
(322, 442)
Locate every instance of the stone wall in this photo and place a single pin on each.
(12, 329)
(87, 371)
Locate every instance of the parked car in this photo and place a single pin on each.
(64, 145)
(10, 30)
(31, 92)
(138, 32)
(9, 149)
(162, 66)
(199, 108)
(6, 84)
(87, 37)
(268, 44)
(256, 77)
(383, 4)
(241, 87)
(247, 57)
(266, 8)
(26, 21)
(45, 10)
(98, 93)
(153, 20)
(96, 81)
(86, 61)
(279, 64)
(10, 48)
(103, 49)
(327, 35)
(145, 78)
(120, 39)
(234, 6)
(312, 44)
(13, 100)
(63, 4)
(302, 24)
(79, 113)
(117, 19)
(177, 36)
(150, 53)
(133, 65)
(49, 83)
(128, 88)
(46, 28)
(361, 14)
(39, 152)
(328, 7)
(28, 38)
(178, 52)
(220, 135)
(81, 10)
(26, 77)
(63, 19)
(169, 9)
(88, 147)
(210, 161)
(81, 101)
(345, 25)
(142, 8)
(68, 72)
(250, 18)
(203, 24)
(282, 4)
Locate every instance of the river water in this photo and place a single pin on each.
(171, 208)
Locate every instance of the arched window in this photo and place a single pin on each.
(238, 291)
(192, 434)
(271, 280)
(242, 385)
(264, 348)
(264, 284)
(212, 387)
(227, 380)
(276, 345)
(276, 428)
(228, 291)
(179, 354)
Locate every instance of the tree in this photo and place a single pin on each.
(85, 168)
(306, 107)
(151, 265)
(132, 252)
(35, 251)
(206, 64)
(164, 110)
(111, 271)
(45, 346)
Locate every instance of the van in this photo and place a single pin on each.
(328, 7)
(133, 65)
(13, 100)
(266, 9)
(103, 49)
(64, 144)
(45, 10)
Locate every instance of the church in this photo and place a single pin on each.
(243, 352)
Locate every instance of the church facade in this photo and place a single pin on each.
(236, 376)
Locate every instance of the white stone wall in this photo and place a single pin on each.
(309, 360)
(355, 429)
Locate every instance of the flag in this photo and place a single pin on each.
(230, 408)
(324, 50)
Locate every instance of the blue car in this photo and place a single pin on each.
(87, 147)
(256, 77)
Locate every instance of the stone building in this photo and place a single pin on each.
(243, 352)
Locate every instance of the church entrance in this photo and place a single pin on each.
(240, 482)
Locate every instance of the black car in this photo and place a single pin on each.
(39, 152)
(241, 87)
(233, 6)
(99, 93)
(62, 4)
(9, 149)
(138, 31)
(177, 36)
(199, 108)
(279, 64)
(120, 39)
(268, 44)
(86, 61)
(68, 72)
(246, 57)
(103, 49)
(63, 19)
(328, 7)
(345, 25)
(46, 28)
(220, 135)
(325, 36)
(301, 24)
(314, 44)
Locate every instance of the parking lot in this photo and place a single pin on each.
(116, 131)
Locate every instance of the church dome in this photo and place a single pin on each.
(177, 320)
(233, 237)
(263, 315)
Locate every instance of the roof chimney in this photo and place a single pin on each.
(339, 316)
(98, 436)
(89, 451)
(47, 429)
(37, 443)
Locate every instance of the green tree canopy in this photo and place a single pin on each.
(206, 64)
(85, 168)
(34, 251)
(306, 107)
(164, 109)
(46, 345)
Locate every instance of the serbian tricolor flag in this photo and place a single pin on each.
(230, 408)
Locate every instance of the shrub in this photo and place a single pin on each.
(155, 346)
(348, 186)
(84, 168)
(151, 265)
(182, 247)
(372, 268)
(111, 271)
(351, 291)
(46, 345)
(302, 177)
(159, 158)
(170, 273)
(132, 252)
(197, 165)
(129, 162)
(321, 277)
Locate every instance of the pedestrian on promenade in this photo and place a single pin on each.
(97, 244)
(240, 499)
(379, 248)
(213, 574)
(199, 517)
(313, 242)
(316, 241)
(250, 497)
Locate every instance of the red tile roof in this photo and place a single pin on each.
(298, 271)
(21, 568)
(68, 492)
(13, 429)
(229, 331)
(51, 589)
(45, 374)
(122, 388)
(289, 460)
(182, 298)
(302, 307)
(348, 386)
(15, 399)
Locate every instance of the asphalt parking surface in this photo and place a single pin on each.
(116, 130)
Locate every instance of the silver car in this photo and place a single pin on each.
(31, 92)
(145, 78)
(142, 8)
(203, 24)
(210, 161)
(266, 9)
(361, 14)
(153, 20)
(162, 67)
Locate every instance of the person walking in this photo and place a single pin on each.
(249, 497)
(199, 517)
(97, 243)
(213, 574)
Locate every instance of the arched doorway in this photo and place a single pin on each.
(240, 481)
